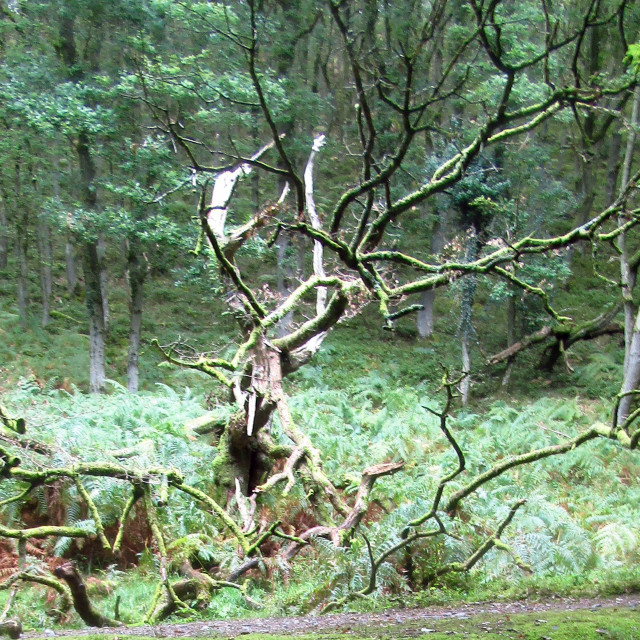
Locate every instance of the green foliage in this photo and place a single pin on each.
(633, 57)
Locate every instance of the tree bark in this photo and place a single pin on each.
(4, 235)
(466, 313)
(22, 248)
(136, 275)
(70, 265)
(94, 275)
(284, 278)
(92, 249)
(46, 258)
(97, 329)
(465, 383)
(81, 602)
(628, 278)
(424, 321)
(102, 266)
(511, 332)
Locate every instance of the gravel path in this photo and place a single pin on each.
(345, 621)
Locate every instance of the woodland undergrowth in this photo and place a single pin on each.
(555, 537)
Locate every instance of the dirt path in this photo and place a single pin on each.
(346, 621)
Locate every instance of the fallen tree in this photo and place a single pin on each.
(562, 337)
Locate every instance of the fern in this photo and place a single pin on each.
(617, 544)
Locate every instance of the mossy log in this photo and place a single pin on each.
(15, 424)
(81, 602)
(11, 628)
(207, 423)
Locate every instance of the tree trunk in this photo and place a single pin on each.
(22, 246)
(81, 602)
(136, 274)
(631, 373)
(465, 384)
(71, 268)
(424, 320)
(4, 236)
(94, 275)
(628, 273)
(102, 266)
(97, 329)
(589, 149)
(511, 331)
(613, 166)
(466, 311)
(46, 257)
(284, 280)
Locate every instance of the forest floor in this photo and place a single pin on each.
(561, 617)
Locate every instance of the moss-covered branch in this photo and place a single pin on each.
(514, 461)
(95, 514)
(81, 602)
(44, 532)
(482, 550)
(136, 494)
(14, 424)
(226, 519)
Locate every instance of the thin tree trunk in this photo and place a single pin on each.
(511, 331)
(92, 264)
(466, 312)
(283, 281)
(94, 276)
(22, 246)
(424, 320)
(465, 384)
(102, 250)
(136, 274)
(4, 236)
(613, 166)
(46, 257)
(71, 265)
(589, 150)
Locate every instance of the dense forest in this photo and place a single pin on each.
(315, 304)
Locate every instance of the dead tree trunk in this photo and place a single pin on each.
(466, 312)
